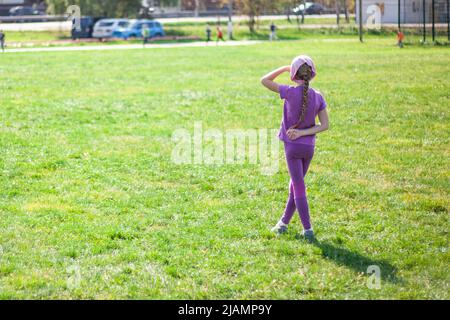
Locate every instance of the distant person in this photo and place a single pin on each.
(219, 34)
(230, 30)
(273, 32)
(145, 34)
(400, 38)
(208, 33)
(2, 40)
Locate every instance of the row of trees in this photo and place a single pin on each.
(252, 8)
(105, 8)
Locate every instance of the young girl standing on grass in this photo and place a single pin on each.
(298, 129)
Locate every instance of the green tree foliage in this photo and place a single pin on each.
(254, 8)
(169, 3)
(106, 8)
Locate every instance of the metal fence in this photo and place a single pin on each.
(419, 20)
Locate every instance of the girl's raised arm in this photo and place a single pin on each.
(267, 80)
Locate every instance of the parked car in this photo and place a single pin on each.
(134, 30)
(87, 27)
(309, 8)
(104, 28)
(24, 11)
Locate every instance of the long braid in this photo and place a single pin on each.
(303, 73)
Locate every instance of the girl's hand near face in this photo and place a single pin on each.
(268, 80)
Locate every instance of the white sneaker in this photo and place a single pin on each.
(280, 228)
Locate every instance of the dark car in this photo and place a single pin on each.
(311, 8)
(315, 8)
(24, 11)
(86, 27)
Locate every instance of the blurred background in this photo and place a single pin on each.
(47, 23)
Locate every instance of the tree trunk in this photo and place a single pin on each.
(338, 10)
(197, 4)
(347, 18)
(303, 12)
(251, 23)
(230, 10)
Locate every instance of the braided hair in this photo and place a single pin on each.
(303, 73)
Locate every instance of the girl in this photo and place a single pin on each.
(219, 34)
(298, 129)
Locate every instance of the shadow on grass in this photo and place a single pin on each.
(356, 261)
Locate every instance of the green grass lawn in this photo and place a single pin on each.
(91, 205)
(35, 36)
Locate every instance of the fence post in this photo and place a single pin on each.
(433, 31)
(424, 17)
(398, 13)
(448, 20)
(360, 21)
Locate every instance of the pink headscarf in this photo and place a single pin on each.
(297, 63)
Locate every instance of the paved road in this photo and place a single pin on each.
(133, 46)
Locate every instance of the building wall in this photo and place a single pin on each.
(410, 10)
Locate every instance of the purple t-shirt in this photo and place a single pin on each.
(293, 99)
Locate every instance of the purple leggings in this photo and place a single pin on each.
(298, 158)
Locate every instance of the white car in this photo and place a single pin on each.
(104, 28)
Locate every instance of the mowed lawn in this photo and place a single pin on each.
(92, 206)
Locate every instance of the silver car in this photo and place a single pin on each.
(104, 28)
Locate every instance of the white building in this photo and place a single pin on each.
(411, 11)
